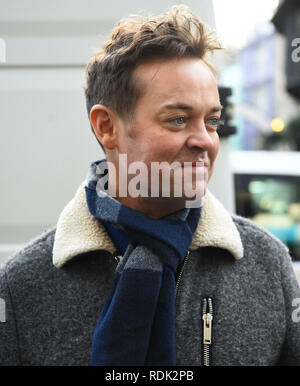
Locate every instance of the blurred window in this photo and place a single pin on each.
(273, 202)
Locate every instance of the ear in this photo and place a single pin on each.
(101, 119)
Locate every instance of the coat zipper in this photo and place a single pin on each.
(118, 259)
(181, 271)
(207, 318)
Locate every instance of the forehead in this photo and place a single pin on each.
(186, 80)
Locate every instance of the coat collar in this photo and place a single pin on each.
(77, 231)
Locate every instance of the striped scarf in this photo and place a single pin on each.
(136, 326)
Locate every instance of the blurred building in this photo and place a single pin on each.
(266, 184)
(258, 64)
(259, 88)
(287, 23)
(258, 77)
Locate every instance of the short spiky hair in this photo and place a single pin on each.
(176, 34)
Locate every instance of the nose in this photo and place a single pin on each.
(200, 138)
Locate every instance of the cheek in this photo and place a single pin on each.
(215, 148)
(161, 148)
(213, 154)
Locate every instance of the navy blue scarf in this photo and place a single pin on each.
(136, 326)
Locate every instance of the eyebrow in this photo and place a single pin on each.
(184, 106)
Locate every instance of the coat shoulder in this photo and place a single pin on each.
(259, 242)
(36, 250)
(32, 262)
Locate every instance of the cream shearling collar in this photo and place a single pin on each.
(77, 231)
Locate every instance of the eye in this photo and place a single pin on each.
(179, 121)
(214, 122)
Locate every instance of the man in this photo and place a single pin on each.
(155, 278)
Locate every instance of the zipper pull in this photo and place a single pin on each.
(118, 259)
(207, 324)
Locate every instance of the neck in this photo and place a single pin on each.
(155, 208)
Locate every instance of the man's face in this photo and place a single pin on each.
(177, 116)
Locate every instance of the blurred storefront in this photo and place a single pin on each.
(267, 190)
(265, 159)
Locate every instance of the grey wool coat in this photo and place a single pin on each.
(55, 287)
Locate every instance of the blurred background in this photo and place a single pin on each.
(46, 143)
